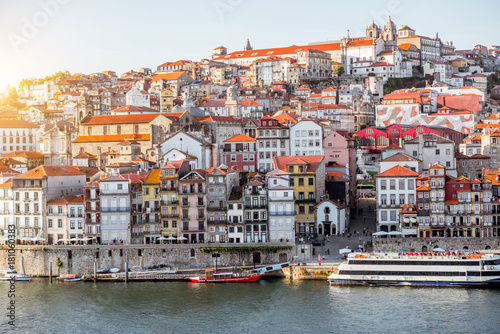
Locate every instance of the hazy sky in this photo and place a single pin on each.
(39, 38)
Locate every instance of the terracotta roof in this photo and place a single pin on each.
(289, 50)
(168, 76)
(44, 171)
(24, 154)
(398, 171)
(64, 200)
(313, 161)
(111, 138)
(239, 138)
(153, 177)
(129, 108)
(84, 155)
(121, 119)
(16, 124)
(250, 103)
(399, 157)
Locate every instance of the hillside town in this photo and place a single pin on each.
(259, 145)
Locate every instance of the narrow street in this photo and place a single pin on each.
(365, 217)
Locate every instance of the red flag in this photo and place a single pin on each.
(319, 259)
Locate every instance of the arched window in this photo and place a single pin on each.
(192, 252)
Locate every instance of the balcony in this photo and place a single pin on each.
(148, 220)
(169, 188)
(282, 213)
(306, 200)
(115, 209)
(216, 208)
(170, 202)
(256, 206)
(170, 215)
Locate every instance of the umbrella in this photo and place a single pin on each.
(406, 220)
(86, 239)
(74, 239)
(171, 238)
(162, 238)
(182, 238)
(37, 238)
(65, 239)
(344, 251)
(25, 239)
(394, 233)
(380, 233)
(437, 249)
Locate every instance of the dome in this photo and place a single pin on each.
(389, 24)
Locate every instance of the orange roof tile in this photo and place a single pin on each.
(111, 138)
(44, 171)
(17, 124)
(239, 138)
(168, 76)
(24, 154)
(153, 177)
(397, 171)
(121, 119)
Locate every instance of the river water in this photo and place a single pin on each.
(268, 306)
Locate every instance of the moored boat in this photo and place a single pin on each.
(418, 269)
(10, 273)
(213, 276)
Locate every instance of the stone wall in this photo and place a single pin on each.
(416, 244)
(80, 259)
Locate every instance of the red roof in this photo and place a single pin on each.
(111, 138)
(239, 138)
(44, 171)
(397, 171)
(17, 124)
(121, 119)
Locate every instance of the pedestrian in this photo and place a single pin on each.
(328, 251)
(364, 218)
(359, 239)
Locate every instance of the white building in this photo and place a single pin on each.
(281, 206)
(190, 145)
(64, 219)
(272, 139)
(430, 148)
(135, 97)
(395, 187)
(33, 189)
(235, 215)
(330, 218)
(306, 138)
(17, 135)
(402, 159)
(115, 210)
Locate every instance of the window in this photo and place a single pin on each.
(301, 181)
(383, 185)
(59, 223)
(401, 184)
(383, 216)
(437, 152)
(311, 181)
(392, 184)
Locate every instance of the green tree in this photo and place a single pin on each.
(392, 84)
(339, 70)
(492, 81)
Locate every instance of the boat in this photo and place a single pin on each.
(114, 270)
(102, 271)
(136, 268)
(214, 276)
(9, 273)
(75, 279)
(418, 269)
(69, 278)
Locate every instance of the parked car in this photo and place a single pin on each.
(318, 242)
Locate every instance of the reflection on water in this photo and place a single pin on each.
(265, 306)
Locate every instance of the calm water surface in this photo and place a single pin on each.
(269, 306)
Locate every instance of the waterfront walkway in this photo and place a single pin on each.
(365, 217)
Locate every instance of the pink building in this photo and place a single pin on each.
(240, 151)
(340, 149)
(193, 205)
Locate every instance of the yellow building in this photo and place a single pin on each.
(307, 178)
(170, 198)
(151, 206)
(166, 100)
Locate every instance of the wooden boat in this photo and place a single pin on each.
(103, 271)
(69, 278)
(136, 268)
(114, 270)
(213, 276)
(9, 273)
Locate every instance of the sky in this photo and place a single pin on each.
(41, 37)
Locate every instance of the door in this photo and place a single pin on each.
(256, 257)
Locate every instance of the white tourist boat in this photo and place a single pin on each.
(8, 273)
(418, 269)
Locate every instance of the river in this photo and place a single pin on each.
(268, 306)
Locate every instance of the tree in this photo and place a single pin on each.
(392, 85)
(339, 70)
(492, 81)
